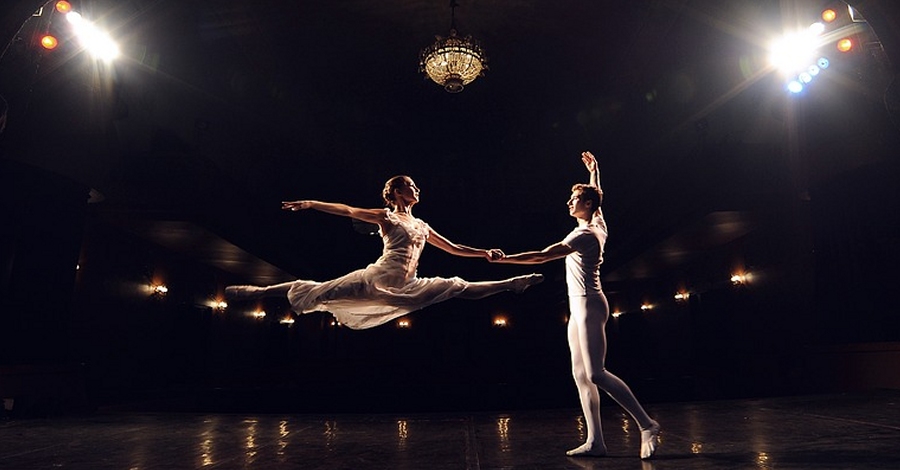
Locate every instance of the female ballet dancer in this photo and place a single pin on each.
(388, 288)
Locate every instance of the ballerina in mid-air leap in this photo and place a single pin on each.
(388, 288)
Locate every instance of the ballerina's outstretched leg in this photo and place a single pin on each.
(518, 284)
(255, 292)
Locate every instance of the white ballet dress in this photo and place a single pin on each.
(384, 290)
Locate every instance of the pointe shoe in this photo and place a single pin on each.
(242, 292)
(521, 283)
(587, 450)
(649, 440)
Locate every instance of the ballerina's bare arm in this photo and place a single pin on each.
(552, 252)
(443, 243)
(372, 216)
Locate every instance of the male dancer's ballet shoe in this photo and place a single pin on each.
(520, 283)
(649, 440)
(242, 292)
(587, 450)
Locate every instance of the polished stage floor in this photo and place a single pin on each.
(839, 431)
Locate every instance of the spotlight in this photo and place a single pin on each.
(63, 7)
(845, 45)
(49, 42)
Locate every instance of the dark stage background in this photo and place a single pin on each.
(168, 169)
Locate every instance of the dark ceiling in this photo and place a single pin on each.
(218, 111)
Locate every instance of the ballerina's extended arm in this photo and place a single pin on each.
(443, 243)
(372, 216)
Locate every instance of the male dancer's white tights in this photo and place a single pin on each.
(587, 344)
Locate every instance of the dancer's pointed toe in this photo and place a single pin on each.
(521, 283)
(587, 450)
(649, 441)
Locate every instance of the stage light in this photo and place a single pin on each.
(816, 28)
(794, 86)
(829, 15)
(96, 42)
(259, 314)
(617, 314)
(646, 307)
(49, 42)
(845, 45)
(500, 322)
(63, 7)
(159, 289)
(286, 321)
(682, 296)
(740, 279)
(403, 323)
(793, 52)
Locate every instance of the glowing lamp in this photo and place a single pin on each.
(844, 45)
(63, 7)
(829, 15)
(49, 42)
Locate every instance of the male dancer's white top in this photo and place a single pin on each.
(583, 264)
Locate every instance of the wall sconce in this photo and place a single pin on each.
(740, 279)
(159, 290)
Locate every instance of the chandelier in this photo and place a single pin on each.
(453, 62)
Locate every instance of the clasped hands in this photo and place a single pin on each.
(494, 254)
